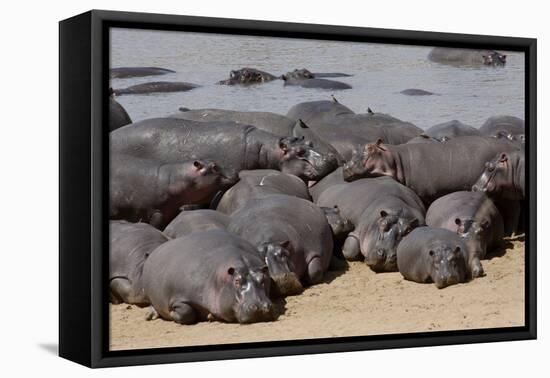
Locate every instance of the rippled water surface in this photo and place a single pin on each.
(380, 72)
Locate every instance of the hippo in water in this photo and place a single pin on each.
(118, 116)
(466, 57)
(237, 147)
(300, 74)
(130, 245)
(504, 176)
(145, 190)
(304, 82)
(493, 126)
(156, 87)
(125, 72)
(291, 234)
(416, 92)
(475, 218)
(246, 76)
(435, 255)
(208, 275)
(188, 222)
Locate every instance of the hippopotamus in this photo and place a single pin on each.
(156, 87)
(339, 224)
(493, 126)
(431, 169)
(452, 129)
(260, 183)
(421, 139)
(504, 176)
(291, 234)
(334, 178)
(130, 245)
(317, 111)
(475, 218)
(145, 190)
(382, 211)
(468, 57)
(208, 275)
(237, 147)
(118, 116)
(416, 92)
(125, 72)
(435, 255)
(315, 83)
(188, 222)
(245, 76)
(271, 122)
(300, 74)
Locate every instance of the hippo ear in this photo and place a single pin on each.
(484, 224)
(503, 157)
(379, 141)
(383, 213)
(283, 77)
(302, 124)
(231, 271)
(198, 164)
(285, 244)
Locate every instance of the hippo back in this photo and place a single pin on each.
(188, 222)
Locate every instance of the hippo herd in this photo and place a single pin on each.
(215, 213)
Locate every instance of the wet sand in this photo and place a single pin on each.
(351, 303)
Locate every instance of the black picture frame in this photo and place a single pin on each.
(83, 229)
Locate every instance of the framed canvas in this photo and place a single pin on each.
(234, 188)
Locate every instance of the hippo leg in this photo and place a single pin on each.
(183, 313)
(120, 290)
(152, 314)
(315, 271)
(351, 249)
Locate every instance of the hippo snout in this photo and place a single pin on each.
(256, 312)
(445, 281)
(287, 284)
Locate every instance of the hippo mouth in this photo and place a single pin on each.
(442, 284)
(287, 284)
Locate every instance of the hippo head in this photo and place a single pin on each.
(375, 160)
(390, 228)
(339, 225)
(251, 289)
(298, 75)
(494, 59)
(496, 179)
(474, 235)
(354, 168)
(298, 157)
(447, 263)
(281, 268)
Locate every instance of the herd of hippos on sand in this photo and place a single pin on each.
(214, 213)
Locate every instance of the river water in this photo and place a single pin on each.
(380, 72)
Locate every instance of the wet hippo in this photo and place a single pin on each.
(118, 116)
(416, 92)
(188, 222)
(316, 83)
(382, 211)
(504, 176)
(237, 147)
(433, 255)
(148, 191)
(291, 234)
(125, 72)
(475, 218)
(260, 183)
(130, 245)
(431, 169)
(246, 76)
(467, 57)
(452, 129)
(156, 87)
(208, 275)
(503, 124)
(300, 74)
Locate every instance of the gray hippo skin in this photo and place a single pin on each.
(188, 222)
(125, 72)
(339, 224)
(433, 255)
(504, 176)
(306, 74)
(118, 116)
(156, 87)
(260, 183)
(316, 83)
(382, 211)
(503, 124)
(416, 92)
(422, 139)
(431, 169)
(467, 57)
(452, 129)
(246, 76)
(236, 146)
(130, 245)
(152, 192)
(475, 218)
(205, 275)
(291, 234)
(334, 178)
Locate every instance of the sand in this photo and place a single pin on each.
(351, 303)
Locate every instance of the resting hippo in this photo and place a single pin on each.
(433, 255)
(291, 234)
(156, 87)
(339, 224)
(317, 111)
(152, 192)
(470, 57)
(423, 139)
(260, 183)
(452, 129)
(503, 124)
(118, 116)
(475, 218)
(125, 72)
(334, 178)
(246, 76)
(188, 222)
(130, 245)
(316, 83)
(416, 92)
(235, 146)
(382, 211)
(300, 74)
(205, 275)
(504, 176)
(431, 169)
